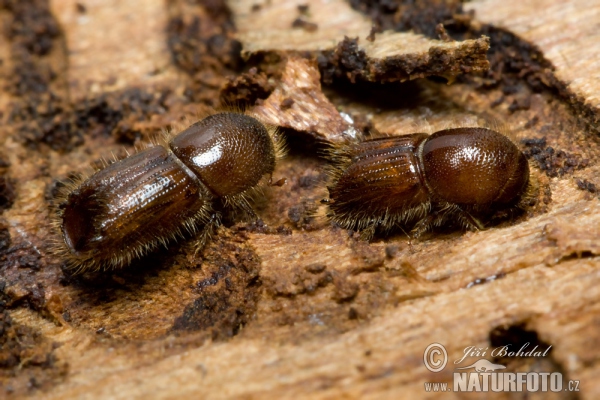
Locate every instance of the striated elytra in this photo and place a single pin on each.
(464, 174)
(133, 205)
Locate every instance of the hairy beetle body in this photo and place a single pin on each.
(150, 198)
(469, 174)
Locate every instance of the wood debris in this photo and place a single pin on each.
(342, 46)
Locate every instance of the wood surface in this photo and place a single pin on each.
(565, 32)
(291, 306)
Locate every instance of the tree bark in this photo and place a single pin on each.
(289, 305)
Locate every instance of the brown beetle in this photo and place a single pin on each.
(133, 205)
(469, 175)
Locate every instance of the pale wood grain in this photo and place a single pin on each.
(565, 31)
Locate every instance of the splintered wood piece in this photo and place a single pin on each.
(343, 39)
(298, 99)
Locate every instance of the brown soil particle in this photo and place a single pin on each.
(4, 240)
(586, 185)
(228, 292)
(200, 38)
(553, 162)
(347, 59)
(302, 215)
(304, 24)
(245, 89)
(32, 27)
(514, 62)
(34, 34)
(45, 121)
(120, 114)
(123, 114)
(7, 192)
(405, 15)
(41, 112)
(25, 350)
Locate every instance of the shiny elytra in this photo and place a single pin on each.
(416, 182)
(154, 197)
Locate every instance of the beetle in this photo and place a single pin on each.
(133, 205)
(469, 175)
